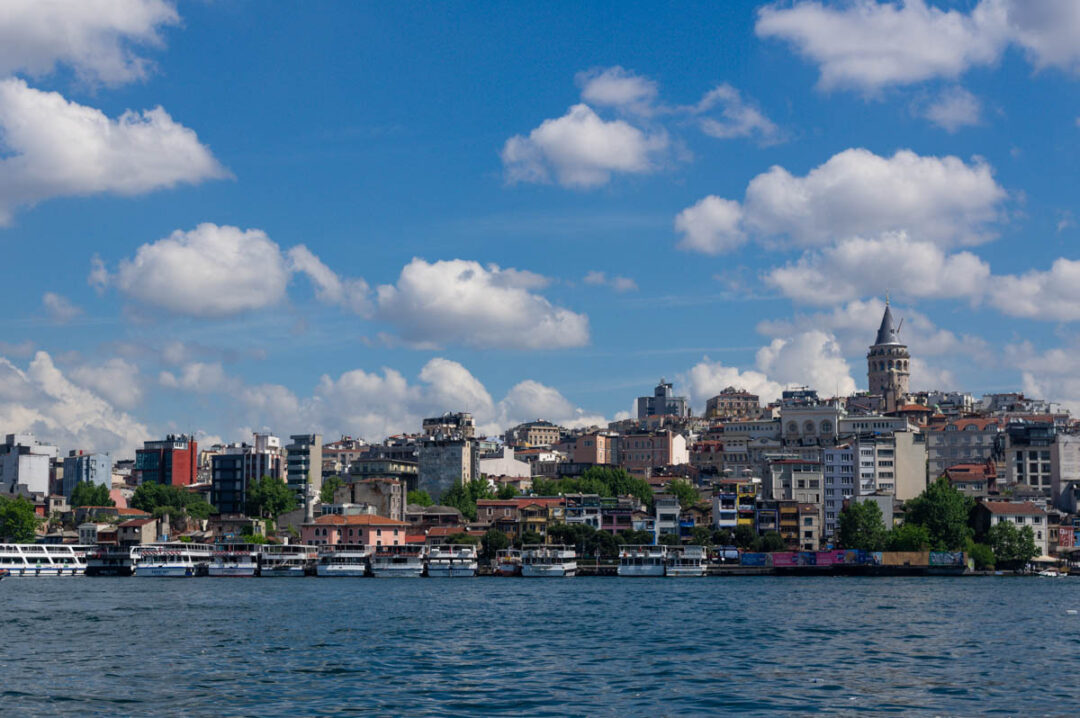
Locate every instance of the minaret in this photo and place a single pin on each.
(888, 363)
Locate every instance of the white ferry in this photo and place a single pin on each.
(22, 560)
(451, 561)
(111, 561)
(642, 560)
(508, 562)
(541, 560)
(398, 561)
(343, 560)
(685, 561)
(173, 560)
(290, 561)
(234, 561)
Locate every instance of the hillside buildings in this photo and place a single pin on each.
(663, 402)
(173, 461)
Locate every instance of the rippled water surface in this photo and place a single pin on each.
(582, 646)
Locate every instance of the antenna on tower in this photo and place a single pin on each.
(886, 297)
(899, 326)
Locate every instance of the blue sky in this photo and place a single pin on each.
(346, 216)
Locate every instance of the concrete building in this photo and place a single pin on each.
(387, 495)
(975, 480)
(888, 364)
(137, 532)
(338, 456)
(892, 463)
(663, 402)
(839, 479)
(533, 433)
(25, 465)
(1031, 455)
(810, 425)
(303, 464)
(233, 468)
(504, 464)
(174, 461)
(599, 447)
(403, 470)
(963, 441)
(733, 403)
(366, 529)
(646, 450)
(446, 461)
(666, 512)
(92, 468)
(991, 513)
(459, 424)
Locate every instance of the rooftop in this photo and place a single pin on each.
(1007, 508)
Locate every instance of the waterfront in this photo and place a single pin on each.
(585, 646)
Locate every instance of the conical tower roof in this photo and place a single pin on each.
(886, 333)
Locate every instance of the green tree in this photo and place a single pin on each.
(330, 485)
(981, 554)
(667, 539)
(944, 512)
(254, 539)
(701, 536)
(601, 480)
(744, 536)
(530, 537)
(508, 491)
(158, 498)
(860, 526)
(602, 545)
(420, 498)
(636, 537)
(685, 492)
(18, 521)
(1013, 547)
(462, 538)
(908, 537)
(87, 493)
(463, 496)
(771, 541)
(269, 498)
(494, 541)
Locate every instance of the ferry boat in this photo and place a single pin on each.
(350, 560)
(234, 561)
(398, 561)
(642, 560)
(24, 560)
(508, 562)
(289, 561)
(111, 561)
(173, 560)
(451, 561)
(541, 560)
(685, 561)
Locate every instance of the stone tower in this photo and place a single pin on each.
(888, 363)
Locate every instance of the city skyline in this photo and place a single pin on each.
(350, 219)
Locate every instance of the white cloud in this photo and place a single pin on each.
(854, 193)
(952, 109)
(812, 358)
(619, 88)
(350, 294)
(460, 301)
(116, 380)
(857, 268)
(198, 377)
(210, 271)
(94, 37)
(582, 150)
(59, 308)
(1053, 294)
(711, 226)
(707, 378)
(601, 279)
(1048, 30)
(1052, 374)
(925, 377)
(50, 147)
(738, 118)
(42, 400)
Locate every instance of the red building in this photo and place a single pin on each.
(172, 461)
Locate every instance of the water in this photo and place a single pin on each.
(582, 646)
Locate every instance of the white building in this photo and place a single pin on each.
(504, 464)
(1021, 514)
(839, 479)
(666, 510)
(25, 463)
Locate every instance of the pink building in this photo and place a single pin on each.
(366, 529)
(596, 448)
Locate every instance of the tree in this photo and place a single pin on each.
(462, 538)
(701, 536)
(944, 512)
(463, 496)
(744, 536)
(771, 541)
(636, 537)
(494, 541)
(18, 521)
(908, 537)
(329, 487)
(667, 539)
(860, 526)
(603, 545)
(508, 491)
(420, 498)
(685, 492)
(87, 493)
(1013, 547)
(530, 537)
(601, 480)
(981, 554)
(269, 498)
(152, 496)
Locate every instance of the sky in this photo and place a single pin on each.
(342, 217)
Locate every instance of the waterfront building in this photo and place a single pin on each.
(991, 513)
(25, 465)
(89, 468)
(725, 506)
(533, 433)
(839, 472)
(137, 532)
(234, 467)
(386, 495)
(663, 402)
(303, 462)
(733, 403)
(666, 511)
(364, 529)
(888, 363)
(173, 461)
(583, 509)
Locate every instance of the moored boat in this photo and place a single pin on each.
(544, 561)
(398, 561)
(507, 562)
(451, 561)
(343, 560)
(642, 560)
(685, 562)
(111, 561)
(42, 560)
(286, 561)
(234, 561)
(172, 560)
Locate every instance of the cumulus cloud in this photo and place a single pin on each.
(811, 358)
(96, 38)
(600, 279)
(42, 400)
(619, 88)
(581, 150)
(1048, 32)
(530, 400)
(350, 294)
(116, 380)
(460, 301)
(210, 271)
(1053, 294)
(737, 116)
(50, 147)
(59, 308)
(952, 109)
(708, 378)
(198, 377)
(925, 377)
(858, 267)
(855, 193)
(1051, 374)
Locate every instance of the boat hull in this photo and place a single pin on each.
(165, 571)
(451, 571)
(397, 571)
(340, 571)
(641, 571)
(286, 572)
(45, 571)
(685, 571)
(232, 571)
(552, 571)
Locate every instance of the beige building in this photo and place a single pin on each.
(733, 403)
(642, 451)
(533, 433)
(600, 447)
(385, 494)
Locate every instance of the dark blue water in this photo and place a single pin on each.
(582, 646)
